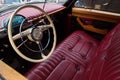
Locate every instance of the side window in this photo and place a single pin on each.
(84, 3)
(79, 3)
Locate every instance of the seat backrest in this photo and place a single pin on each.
(106, 66)
(70, 61)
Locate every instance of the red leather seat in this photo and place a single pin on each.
(106, 66)
(81, 57)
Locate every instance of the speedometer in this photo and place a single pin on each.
(17, 20)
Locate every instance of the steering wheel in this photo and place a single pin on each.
(33, 34)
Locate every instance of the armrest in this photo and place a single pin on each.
(92, 28)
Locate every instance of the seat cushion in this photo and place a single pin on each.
(106, 66)
(68, 61)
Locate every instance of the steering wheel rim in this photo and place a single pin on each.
(12, 40)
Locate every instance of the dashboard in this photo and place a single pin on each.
(27, 14)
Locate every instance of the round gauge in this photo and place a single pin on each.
(17, 20)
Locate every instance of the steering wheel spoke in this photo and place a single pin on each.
(41, 49)
(22, 34)
(44, 27)
(40, 46)
(22, 43)
(43, 56)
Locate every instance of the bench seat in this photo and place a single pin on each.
(81, 57)
(68, 61)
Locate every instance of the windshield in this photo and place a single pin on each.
(10, 5)
(28, 1)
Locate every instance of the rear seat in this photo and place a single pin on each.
(81, 57)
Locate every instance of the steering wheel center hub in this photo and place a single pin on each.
(36, 34)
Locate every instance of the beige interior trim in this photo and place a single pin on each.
(96, 14)
(91, 28)
(9, 73)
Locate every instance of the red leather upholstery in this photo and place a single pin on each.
(80, 57)
(68, 61)
(106, 66)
